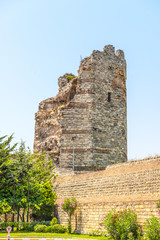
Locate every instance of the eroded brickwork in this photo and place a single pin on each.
(48, 130)
(134, 185)
(91, 107)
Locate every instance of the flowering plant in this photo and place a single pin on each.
(122, 224)
(69, 206)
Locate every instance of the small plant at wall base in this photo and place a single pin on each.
(152, 229)
(158, 206)
(69, 206)
(122, 225)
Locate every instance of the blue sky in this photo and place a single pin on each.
(41, 40)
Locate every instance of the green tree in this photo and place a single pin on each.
(5, 161)
(34, 173)
(69, 205)
(44, 204)
(25, 179)
(6, 176)
(21, 168)
(41, 178)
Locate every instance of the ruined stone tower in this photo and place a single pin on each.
(92, 109)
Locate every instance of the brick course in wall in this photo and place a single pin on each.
(134, 185)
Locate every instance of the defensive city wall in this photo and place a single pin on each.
(85, 127)
(134, 185)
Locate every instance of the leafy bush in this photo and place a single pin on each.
(57, 228)
(152, 229)
(40, 228)
(28, 226)
(122, 225)
(49, 229)
(47, 223)
(54, 221)
(4, 225)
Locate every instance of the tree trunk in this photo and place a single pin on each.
(18, 215)
(18, 218)
(41, 212)
(23, 216)
(69, 224)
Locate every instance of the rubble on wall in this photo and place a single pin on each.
(48, 130)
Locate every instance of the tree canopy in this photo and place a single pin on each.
(25, 181)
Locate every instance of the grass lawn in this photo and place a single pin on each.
(49, 235)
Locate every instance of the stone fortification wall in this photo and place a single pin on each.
(134, 184)
(96, 116)
(90, 107)
(48, 130)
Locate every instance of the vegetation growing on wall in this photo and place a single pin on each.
(70, 77)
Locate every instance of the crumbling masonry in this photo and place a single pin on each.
(90, 107)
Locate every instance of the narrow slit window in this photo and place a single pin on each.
(109, 96)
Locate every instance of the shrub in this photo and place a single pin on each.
(54, 221)
(49, 229)
(57, 228)
(33, 224)
(40, 228)
(122, 225)
(4, 225)
(28, 226)
(152, 229)
(47, 223)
